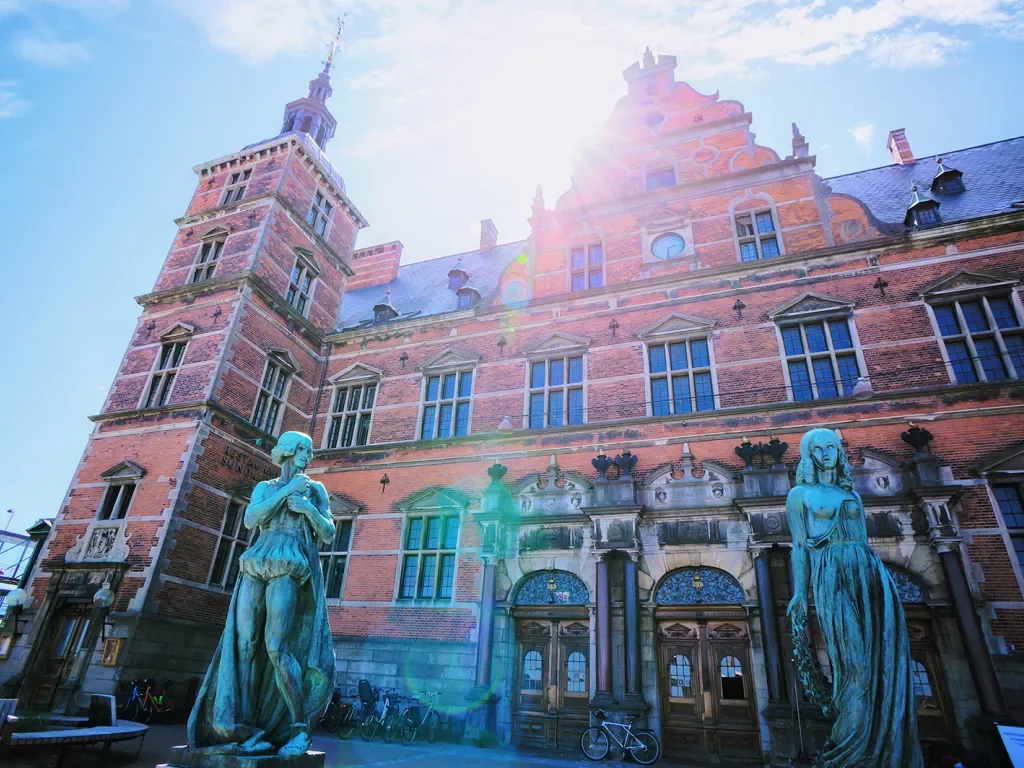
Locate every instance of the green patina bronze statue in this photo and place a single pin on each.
(273, 671)
(859, 612)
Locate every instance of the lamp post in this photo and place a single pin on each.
(103, 599)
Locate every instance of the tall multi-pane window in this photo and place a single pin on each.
(206, 260)
(446, 405)
(983, 337)
(116, 499)
(333, 557)
(236, 186)
(319, 214)
(270, 401)
(158, 393)
(351, 410)
(428, 565)
(1011, 507)
(300, 286)
(820, 358)
(234, 538)
(586, 267)
(756, 234)
(680, 376)
(556, 392)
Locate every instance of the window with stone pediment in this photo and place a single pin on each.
(269, 408)
(447, 402)
(122, 481)
(319, 217)
(301, 283)
(556, 381)
(820, 350)
(680, 366)
(428, 565)
(165, 367)
(352, 402)
(978, 317)
(208, 256)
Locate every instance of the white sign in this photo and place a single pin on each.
(1013, 740)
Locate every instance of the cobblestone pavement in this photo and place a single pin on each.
(352, 752)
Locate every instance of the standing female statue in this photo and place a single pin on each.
(273, 671)
(859, 612)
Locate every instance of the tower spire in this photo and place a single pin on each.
(310, 114)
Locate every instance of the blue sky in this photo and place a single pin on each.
(449, 112)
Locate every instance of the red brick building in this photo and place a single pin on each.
(559, 465)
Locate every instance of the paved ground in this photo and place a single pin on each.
(353, 752)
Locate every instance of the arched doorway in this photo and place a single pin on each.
(706, 682)
(551, 686)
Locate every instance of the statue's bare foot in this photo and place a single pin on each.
(297, 745)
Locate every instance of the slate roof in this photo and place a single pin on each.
(422, 288)
(993, 177)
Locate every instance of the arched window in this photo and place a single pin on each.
(679, 677)
(922, 686)
(533, 665)
(552, 587)
(576, 679)
(731, 671)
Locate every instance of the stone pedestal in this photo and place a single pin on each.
(786, 728)
(183, 757)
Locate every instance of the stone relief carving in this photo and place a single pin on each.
(104, 541)
(716, 487)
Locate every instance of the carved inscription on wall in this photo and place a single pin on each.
(246, 465)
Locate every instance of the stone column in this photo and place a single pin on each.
(769, 627)
(485, 642)
(604, 632)
(978, 657)
(634, 693)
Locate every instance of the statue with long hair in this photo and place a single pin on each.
(859, 612)
(273, 672)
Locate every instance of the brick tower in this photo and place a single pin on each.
(228, 352)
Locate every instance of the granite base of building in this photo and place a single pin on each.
(793, 733)
(184, 757)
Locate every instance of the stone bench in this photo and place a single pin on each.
(100, 709)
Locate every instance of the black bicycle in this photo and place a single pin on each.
(385, 719)
(413, 720)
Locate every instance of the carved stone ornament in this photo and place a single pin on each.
(105, 541)
(699, 586)
(677, 631)
(536, 589)
(908, 589)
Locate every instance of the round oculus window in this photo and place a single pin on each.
(668, 246)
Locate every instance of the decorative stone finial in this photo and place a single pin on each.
(625, 462)
(601, 464)
(496, 471)
(648, 57)
(917, 437)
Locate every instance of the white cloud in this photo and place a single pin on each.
(913, 50)
(49, 52)
(10, 104)
(864, 134)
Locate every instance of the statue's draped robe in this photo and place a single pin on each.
(862, 621)
(216, 718)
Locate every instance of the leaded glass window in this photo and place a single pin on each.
(820, 358)
(983, 337)
(428, 565)
(233, 540)
(556, 392)
(334, 557)
(680, 377)
(351, 412)
(447, 404)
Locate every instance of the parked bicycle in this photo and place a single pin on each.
(413, 721)
(642, 746)
(385, 719)
(143, 703)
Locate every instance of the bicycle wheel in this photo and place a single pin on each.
(131, 710)
(392, 727)
(594, 743)
(432, 725)
(347, 724)
(408, 731)
(368, 728)
(147, 712)
(332, 717)
(648, 750)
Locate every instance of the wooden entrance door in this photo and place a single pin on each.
(65, 640)
(552, 682)
(709, 711)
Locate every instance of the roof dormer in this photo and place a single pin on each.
(468, 296)
(457, 276)
(384, 310)
(923, 211)
(947, 181)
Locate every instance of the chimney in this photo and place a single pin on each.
(899, 147)
(375, 265)
(488, 235)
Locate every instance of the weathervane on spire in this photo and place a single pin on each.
(336, 44)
